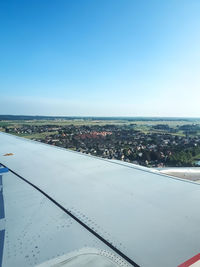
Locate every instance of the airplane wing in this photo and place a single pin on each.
(64, 208)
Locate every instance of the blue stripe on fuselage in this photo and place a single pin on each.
(2, 235)
(3, 170)
(2, 215)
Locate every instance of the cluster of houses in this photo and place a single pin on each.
(115, 142)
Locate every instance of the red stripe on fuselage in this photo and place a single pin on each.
(190, 261)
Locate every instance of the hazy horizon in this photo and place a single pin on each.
(146, 118)
(100, 58)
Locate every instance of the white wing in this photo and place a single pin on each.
(61, 205)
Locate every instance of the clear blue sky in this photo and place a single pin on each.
(100, 57)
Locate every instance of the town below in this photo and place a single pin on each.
(147, 142)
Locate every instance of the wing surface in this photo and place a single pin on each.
(152, 219)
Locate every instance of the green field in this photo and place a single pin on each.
(37, 135)
(62, 122)
(142, 123)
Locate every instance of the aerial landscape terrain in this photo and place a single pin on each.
(99, 133)
(151, 142)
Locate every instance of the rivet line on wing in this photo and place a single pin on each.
(76, 219)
